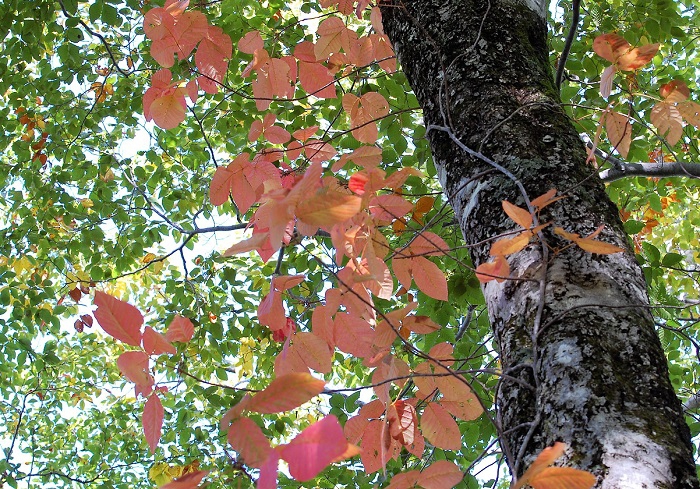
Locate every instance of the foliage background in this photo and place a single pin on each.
(139, 224)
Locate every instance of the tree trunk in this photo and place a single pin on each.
(575, 325)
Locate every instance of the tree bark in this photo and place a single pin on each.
(575, 325)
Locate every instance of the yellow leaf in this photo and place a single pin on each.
(148, 258)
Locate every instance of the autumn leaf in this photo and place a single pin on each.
(314, 448)
(152, 421)
(180, 329)
(119, 319)
(619, 131)
(285, 393)
(441, 474)
(246, 437)
(134, 366)
(188, 481)
(155, 343)
(440, 428)
(497, 270)
(520, 216)
(540, 475)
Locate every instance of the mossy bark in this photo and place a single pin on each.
(587, 341)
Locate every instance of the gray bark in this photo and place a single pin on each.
(574, 324)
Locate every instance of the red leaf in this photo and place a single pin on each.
(246, 437)
(187, 481)
(158, 23)
(153, 421)
(357, 183)
(286, 393)
(180, 329)
(378, 447)
(155, 343)
(168, 111)
(119, 319)
(314, 448)
(439, 427)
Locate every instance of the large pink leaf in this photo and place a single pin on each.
(153, 421)
(168, 111)
(385, 208)
(404, 480)
(313, 351)
(181, 329)
(314, 448)
(327, 207)
(442, 474)
(248, 440)
(155, 343)
(268, 472)
(158, 23)
(251, 42)
(353, 335)
(119, 319)
(429, 278)
(134, 366)
(439, 427)
(378, 447)
(285, 393)
(316, 80)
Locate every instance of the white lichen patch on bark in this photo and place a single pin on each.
(633, 460)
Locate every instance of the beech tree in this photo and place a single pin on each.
(242, 245)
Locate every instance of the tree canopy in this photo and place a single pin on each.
(224, 241)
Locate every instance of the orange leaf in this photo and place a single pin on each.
(610, 46)
(619, 131)
(439, 427)
(668, 121)
(328, 207)
(246, 437)
(521, 216)
(545, 199)
(563, 478)
(675, 91)
(428, 244)
(497, 270)
(690, 112)
(508, 246)
(285, 393)
(119, 319)
(637, 57)
(420, 324)
(595, 246)
(539, 476)
(153, 421)
(188, 481)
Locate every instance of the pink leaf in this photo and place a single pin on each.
(439, 427)
(268, 472)
(314, 448)
(168, 111)
(606, 81)
(180, 329)
(158, 23)
(119, 319)
(251, 42)
(314, 351)
(429, 278)
(155, 343)
(385, 208)
(153, 421)
(442, 474)
(246, 437)
(316, 80)
(134, 366)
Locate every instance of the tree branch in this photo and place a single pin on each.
(656, 170)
